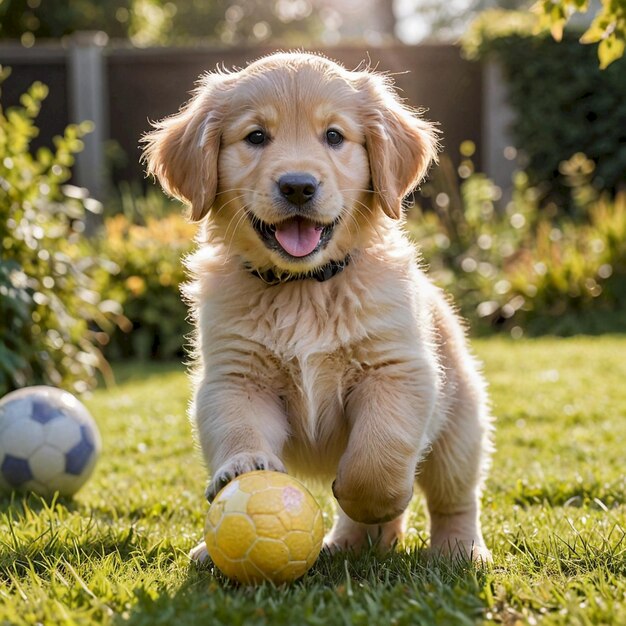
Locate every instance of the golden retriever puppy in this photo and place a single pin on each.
(322, 347)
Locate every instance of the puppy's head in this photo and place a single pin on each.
(297, 158)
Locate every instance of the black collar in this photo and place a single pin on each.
(320, 274)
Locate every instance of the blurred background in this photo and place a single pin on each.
(523, 220)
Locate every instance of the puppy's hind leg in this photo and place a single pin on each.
(451, 477)
(347, 534)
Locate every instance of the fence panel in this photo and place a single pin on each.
(147, 84)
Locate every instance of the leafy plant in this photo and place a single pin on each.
(564, 104)
(47, 294)
(28, 19)
(161, 22)
(146, 242)
(608, 28)
(523, 267)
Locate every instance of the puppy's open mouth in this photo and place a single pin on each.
(296, 237)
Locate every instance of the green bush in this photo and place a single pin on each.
(146, 242)
(56, 18)
(564, 103)
(520, 269)
(47, 291)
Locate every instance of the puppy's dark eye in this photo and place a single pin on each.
(334, 137)
(256, 138)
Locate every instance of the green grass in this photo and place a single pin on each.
(554, 516)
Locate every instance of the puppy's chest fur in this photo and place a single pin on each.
(313, 396)
(313, 339)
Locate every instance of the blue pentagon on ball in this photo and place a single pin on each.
(15, 471)
(78, 457)
(48, 441)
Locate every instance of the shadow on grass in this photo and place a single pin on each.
(20, 502)
(41, 533)
(402, 588)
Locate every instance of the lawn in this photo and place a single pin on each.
(554, 516)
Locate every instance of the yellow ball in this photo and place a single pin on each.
(264, 526)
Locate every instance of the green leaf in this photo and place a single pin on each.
(609, 50)
(596, 32)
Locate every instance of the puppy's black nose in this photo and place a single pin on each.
(297, 188)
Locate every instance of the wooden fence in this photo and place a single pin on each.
(122, 88)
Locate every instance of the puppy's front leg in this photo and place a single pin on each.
(388, 412)
(241, 427)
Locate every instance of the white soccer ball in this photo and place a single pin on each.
(48, 442)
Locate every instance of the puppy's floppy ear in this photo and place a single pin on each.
(182, 150)
(401, 146)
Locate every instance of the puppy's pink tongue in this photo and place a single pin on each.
(298, 236)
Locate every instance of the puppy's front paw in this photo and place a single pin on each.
(199, 553)
(240, 464)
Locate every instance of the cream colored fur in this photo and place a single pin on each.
(364, 379)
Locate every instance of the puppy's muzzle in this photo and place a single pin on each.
(297, 188)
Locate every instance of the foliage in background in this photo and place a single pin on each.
(564, 104)
(164, 22)
(523, 267)
(608, 28)
(154, 22)
(47, 292)
(146, 240)
(29, 20)
(245, 21)
(64, 296)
